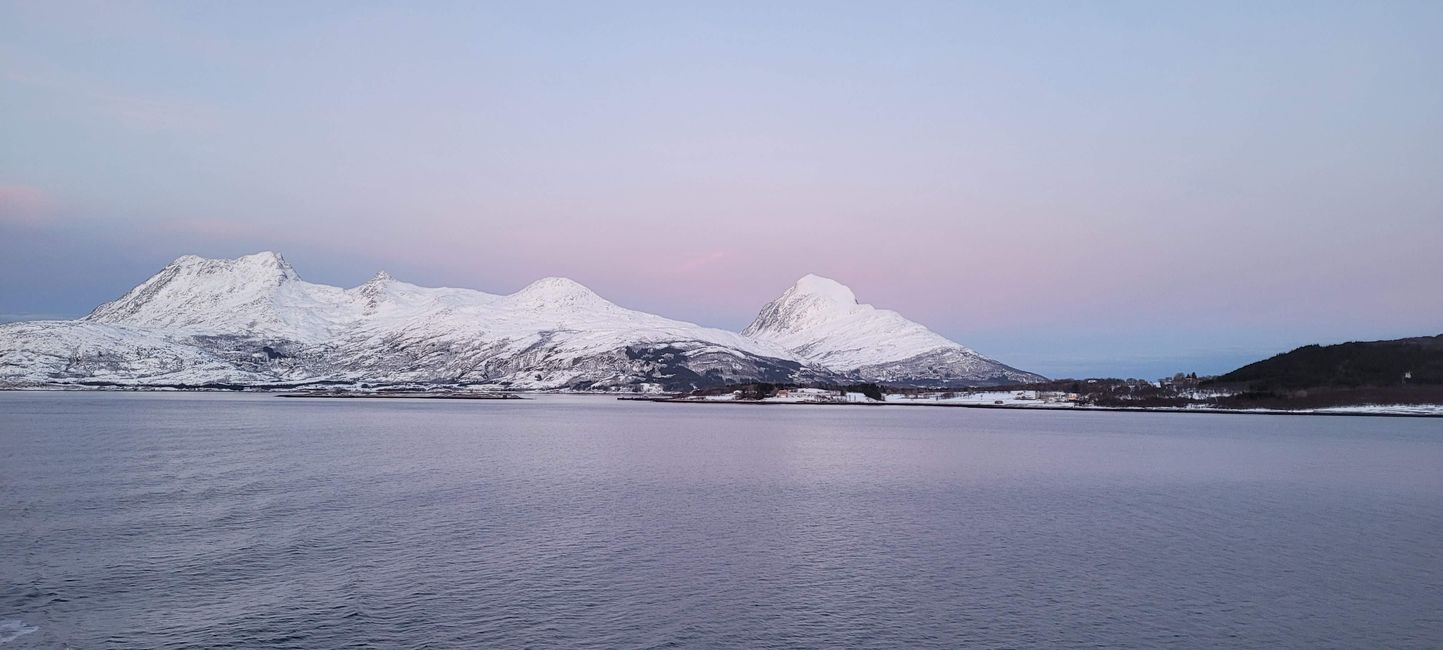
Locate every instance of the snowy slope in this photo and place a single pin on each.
(257, 294)
(555, 332)
(820, 321)
(253, 321)
(47, 352)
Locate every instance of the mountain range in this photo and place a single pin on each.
(252, 322)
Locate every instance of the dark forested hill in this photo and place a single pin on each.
(1414, 361)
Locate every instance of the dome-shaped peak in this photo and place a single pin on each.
(825, 288)
(811, 300)
(555, 291)
(381, 277)
(556, 286)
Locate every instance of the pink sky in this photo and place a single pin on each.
(1061, 190)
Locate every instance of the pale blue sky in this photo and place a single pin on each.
(1119, 188)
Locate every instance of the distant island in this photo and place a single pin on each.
(1403, 377)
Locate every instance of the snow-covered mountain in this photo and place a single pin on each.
(820, 321)
(252, 321)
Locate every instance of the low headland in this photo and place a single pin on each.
(1402, 377)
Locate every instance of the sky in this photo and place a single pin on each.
(1074, 188)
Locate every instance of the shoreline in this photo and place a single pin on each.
(1075, 409)
(672, 399)
(479, 396)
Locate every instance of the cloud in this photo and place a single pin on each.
(132, 111)
(700, 262)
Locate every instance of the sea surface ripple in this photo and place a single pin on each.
(247, 521)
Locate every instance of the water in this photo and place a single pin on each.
(188, 521)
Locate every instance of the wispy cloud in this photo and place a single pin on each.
(701, 262)
(129, 110)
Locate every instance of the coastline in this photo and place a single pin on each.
(1366, 410)
(1085, 409)
(408, 395)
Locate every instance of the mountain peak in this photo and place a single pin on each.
(820, 320)
(270, 261)
(824, 288)
(555, 291)
(556, 285)
(811, 300)
(269, 258)
(374, 287)
(266, 265)
(195, 290)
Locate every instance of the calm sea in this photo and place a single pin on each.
(240, 521)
